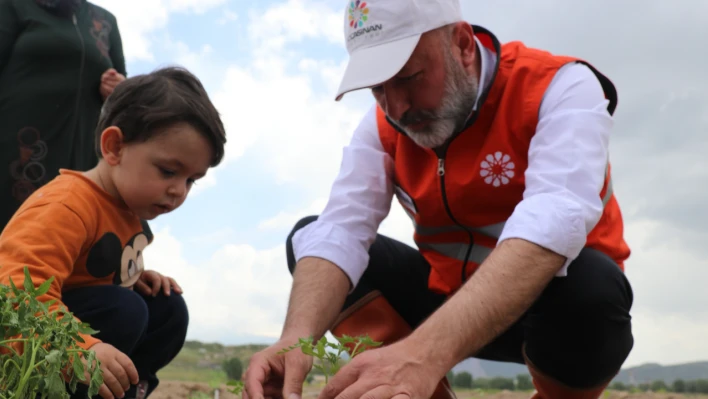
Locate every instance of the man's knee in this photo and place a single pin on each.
(289, 241)
(595, 288)
(579, 331)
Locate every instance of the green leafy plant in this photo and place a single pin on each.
(48, 357)
(330, 361)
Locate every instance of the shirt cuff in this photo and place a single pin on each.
(332, 243)
(549, 221)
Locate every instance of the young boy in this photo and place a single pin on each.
(158, 133)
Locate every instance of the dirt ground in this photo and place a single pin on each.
(187, 390)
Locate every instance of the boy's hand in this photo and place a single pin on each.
(151, 281)
(118, 371)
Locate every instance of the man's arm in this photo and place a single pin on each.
(547, 230)
(332, 252)
(317, 296)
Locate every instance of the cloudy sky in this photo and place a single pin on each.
(272, 68)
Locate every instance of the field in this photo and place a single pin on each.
(196, 372)
(187, 390)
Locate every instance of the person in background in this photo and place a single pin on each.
(59, 61)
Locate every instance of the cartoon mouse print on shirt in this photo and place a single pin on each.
(109, 256)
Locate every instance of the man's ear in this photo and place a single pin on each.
(464, 43)
(112, 145)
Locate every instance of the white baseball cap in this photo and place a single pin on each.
(382, 34)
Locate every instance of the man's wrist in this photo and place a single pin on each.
(435, 355)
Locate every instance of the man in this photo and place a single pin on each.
(499, 155)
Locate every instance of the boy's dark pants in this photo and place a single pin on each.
(579, 330)
(150, 330)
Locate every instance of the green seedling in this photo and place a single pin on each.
(49, 346)
(329, 361)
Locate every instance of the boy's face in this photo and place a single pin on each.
(154, 177)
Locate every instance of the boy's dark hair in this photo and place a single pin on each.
(143, 104)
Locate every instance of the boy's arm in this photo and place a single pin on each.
(48, 239)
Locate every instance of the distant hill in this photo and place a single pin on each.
(653, 371)
(200, 361)
(633, 375)
(487, 369)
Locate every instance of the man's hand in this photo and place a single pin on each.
(118, 371)
(393, 371)
(151, 281)
(270, 375)
(109, 81)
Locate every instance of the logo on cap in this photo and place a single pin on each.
(358, 14)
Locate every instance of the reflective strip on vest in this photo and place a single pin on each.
(608, 194)
(458, 250)
(492, 230)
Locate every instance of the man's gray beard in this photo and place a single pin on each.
(458, 101)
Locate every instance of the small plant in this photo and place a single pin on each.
(330, 362)
(39, 354)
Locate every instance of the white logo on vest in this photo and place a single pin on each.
(497, 169)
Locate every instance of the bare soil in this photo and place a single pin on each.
(187, 390)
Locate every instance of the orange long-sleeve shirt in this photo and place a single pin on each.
(73, 230)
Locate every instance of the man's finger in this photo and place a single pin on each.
(340, 382)
(295, 372)
(273, 391)
(255, 377)
(378, 392)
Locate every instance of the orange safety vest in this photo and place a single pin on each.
(459, 201)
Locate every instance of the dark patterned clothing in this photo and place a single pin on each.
(50, 74)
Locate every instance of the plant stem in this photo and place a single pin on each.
(27, 370)
(12, 340)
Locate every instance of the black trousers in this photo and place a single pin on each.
(150, 330)
(578, 331)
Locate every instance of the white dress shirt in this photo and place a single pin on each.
(561, 204)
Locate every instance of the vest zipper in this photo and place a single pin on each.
(441, 173)
(441, 153)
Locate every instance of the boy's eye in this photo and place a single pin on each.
(167, 172)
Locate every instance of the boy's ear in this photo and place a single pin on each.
(112, 145)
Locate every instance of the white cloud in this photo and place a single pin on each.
(138, 20)
(229, 16)
(286, 220)
(227, 295)
(295, 20)
(297, 131)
